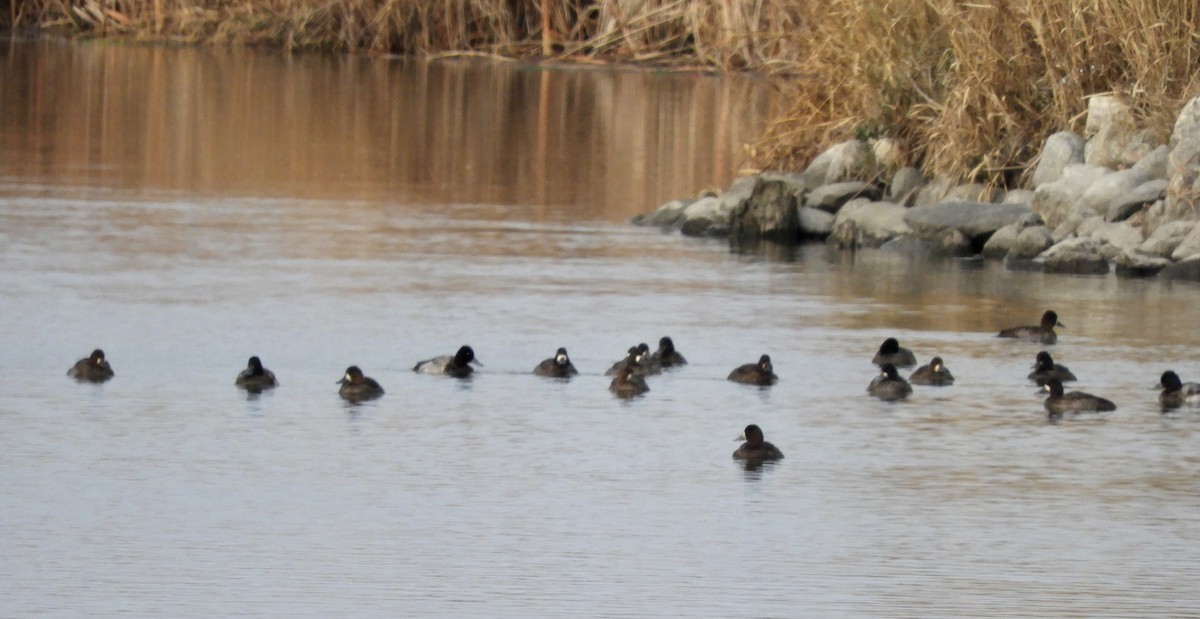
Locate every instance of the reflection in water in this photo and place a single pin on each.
(220, 122)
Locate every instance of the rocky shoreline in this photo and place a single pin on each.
(1113, 200)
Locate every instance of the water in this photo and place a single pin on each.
(311, 226)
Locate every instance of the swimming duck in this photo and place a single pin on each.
(889, 385)
(755, 448)
(255, 377)
(457, 365)
(892, 352)
(628, 383)
(1043, 333)
(558, 366)
(1044, 369)
(356, 388)
(1074, 402)
(761, 373)
(638, 357)
(666, 355)
(93, 369)
(934, 374)
(1176, 393)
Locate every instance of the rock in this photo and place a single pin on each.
(1166, 238)
(769, 213)
(1003, 239)
(905, 183)
(1154, 163)
(669, 215)
(705, 217)
(1141, 143)
(1109, 187)
(862, 223)
(1123, 206)
(1018, 196)
(933, 192)
(977, 220)
(1055, 201)
(1109, 130)
(1115, 238)
(909, 246)
(1187, 123)
(847, 161)
(886, 154)
(1080, 256)
(831, 197)
(792, 181)
(972, 192)
(1060, 150)
(1031, 242)
(952, 242)
(814, 223)
(1067, 228)
(1183, 179)
(1134, 264)
(1188, 270)
(1189, 246)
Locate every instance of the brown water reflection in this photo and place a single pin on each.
(250, 123)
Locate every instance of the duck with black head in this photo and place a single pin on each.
(255, 377)
(1176, 393)
(92, 369)
(356, 387)
(457, 365)
(1043, 332)
(890, 351)
(558, 366)
(1045, 368)
(889, 385)
(666, 356)
(628, 383)
(755, 448)
(761, 373)
(1059, 402)
(935, 373)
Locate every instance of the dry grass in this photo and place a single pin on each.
(970, 89)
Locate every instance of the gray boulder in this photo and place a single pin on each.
(1154, 163)
(852, 160)
(973, 192)
(1132, 264)
(769, 213)
(862, 223)
(1055, 201)
(1115, 239)
(1189, 246)
(1141, 144)
(1031, 242)
(706, 217)
(831, 197)
(1166, 238)
(814, 223)
(1060, 150)
(1122, 207)
(905, 183)
(1003, 239)
(933, 192)
(977, 220)
(1018, 196)
(1109, 187)
(1078, 256)
(1110, 128)
(669, 215)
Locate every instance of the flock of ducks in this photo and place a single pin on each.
(629, 377)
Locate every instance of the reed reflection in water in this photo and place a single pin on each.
(610, 144)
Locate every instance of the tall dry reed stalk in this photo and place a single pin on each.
(969, 89)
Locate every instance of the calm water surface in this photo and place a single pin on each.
(184, 209)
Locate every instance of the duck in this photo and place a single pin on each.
(761, 373)
(1044, 369)
(666, 356)
(457, 365)
(755, 448)
(890, 351)
(1176, 393)
(935, 373)
(1060, 403)
(356, 388)
(255, 377)
(558, 366)
(93, 369)
(1043, 332)
(638, 357)
(889, 385)
(628, 383)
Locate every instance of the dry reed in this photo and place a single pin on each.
(969, 89)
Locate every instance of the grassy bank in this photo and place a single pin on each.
(970, 90)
